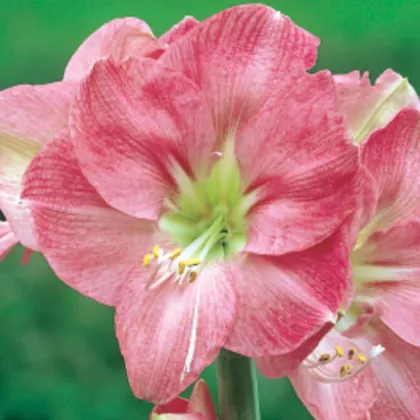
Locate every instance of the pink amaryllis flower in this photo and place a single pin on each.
(198, 407)
(385, 303)
(191, 191)
(30, 116)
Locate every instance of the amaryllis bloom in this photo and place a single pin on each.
(30, 116)
(198, 407)
(190, 193)
(385, 304)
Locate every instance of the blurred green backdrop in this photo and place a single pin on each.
(58, 355)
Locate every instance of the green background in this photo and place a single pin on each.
(58, 354)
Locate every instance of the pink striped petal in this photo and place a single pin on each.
(90, 246)
(284, 300)
(392, 155)
(7, 239)
(29, 117)
(169, 334)
(367, 108)
(398, 374)
(179, 30)
(201, 402)
(235, 55)
(131, 122)
(119, 39)
(176, 406)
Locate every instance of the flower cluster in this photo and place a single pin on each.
(218, 195)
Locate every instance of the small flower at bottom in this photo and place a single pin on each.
(198, 407)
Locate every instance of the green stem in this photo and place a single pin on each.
(238, 390)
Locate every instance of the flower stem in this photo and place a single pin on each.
(238, 390)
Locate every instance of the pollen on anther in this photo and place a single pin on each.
(156, 250)
(345, 370)
(351, 354)
(175, 253)
(181, 267)
(193, 262)
(325, 357)
(146, 260)
(339, 351)
(362, 358)
(193, 276)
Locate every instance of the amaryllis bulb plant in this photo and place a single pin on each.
(231, 207)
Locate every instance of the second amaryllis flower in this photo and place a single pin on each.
(190, 190)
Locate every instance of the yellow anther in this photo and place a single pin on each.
(325, 357)
(156, 251)
(193, 262)
(175, 253)
(362, 358)
(193, 276)
(181, 267)
(345, 370)
(146, 260)
(339, 351)
(351, 353)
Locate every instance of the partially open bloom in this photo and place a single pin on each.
(30, 116)
(383, 310)
(198, 407)
(188, 192)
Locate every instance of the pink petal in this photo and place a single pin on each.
(350, 399)
(280, 366)
(367, 108)
(235, 55)
(119, 39)
(178, 417)
(201, 402)
(177, 405)
(392, 155)
(90, 246)
(398, 373)
(131, 122)
(179, 30)
(305, 170)
(169, 334)
(284, 300)
(29, 117)
(7, 239)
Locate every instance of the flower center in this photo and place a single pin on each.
(206, 220)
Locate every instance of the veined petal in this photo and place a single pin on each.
(179, 30)
(350, 399)
(29, 117)
(7, 239)
(398, 373)
(89, 245)
(367, 108)
(392, 155)
(169, 334)
(119, 39)
(282, 301)
(201, 402)
(137, 120)
(235, 55)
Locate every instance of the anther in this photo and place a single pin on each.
(193, 262)
(175, 253)
(156, 250)
(339, 351)
(192, 276)
(351, 354)
(345, 370)
(362, 358)
(181, 267)
(324, 357)
(146, 260)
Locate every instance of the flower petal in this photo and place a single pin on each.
(392, 155)
(280, 366)
(188, 416)
(177, 405)
(235, 55)
(285, 300)
(398, 373)
(131, 122)
(367, 108)
(29, 117)
(201, 402)
(7, 239)
(350, 399)
(119, 39)
(179, 30)
(169, 334)
(90, 246)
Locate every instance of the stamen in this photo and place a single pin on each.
(147, 259)
(345, 370)
(193, 276)
(193, 262)
(175, 253)
(181, 267)
(351, 354)
(156, 250)
(324, 357)
(361, 358)
(339, 351)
